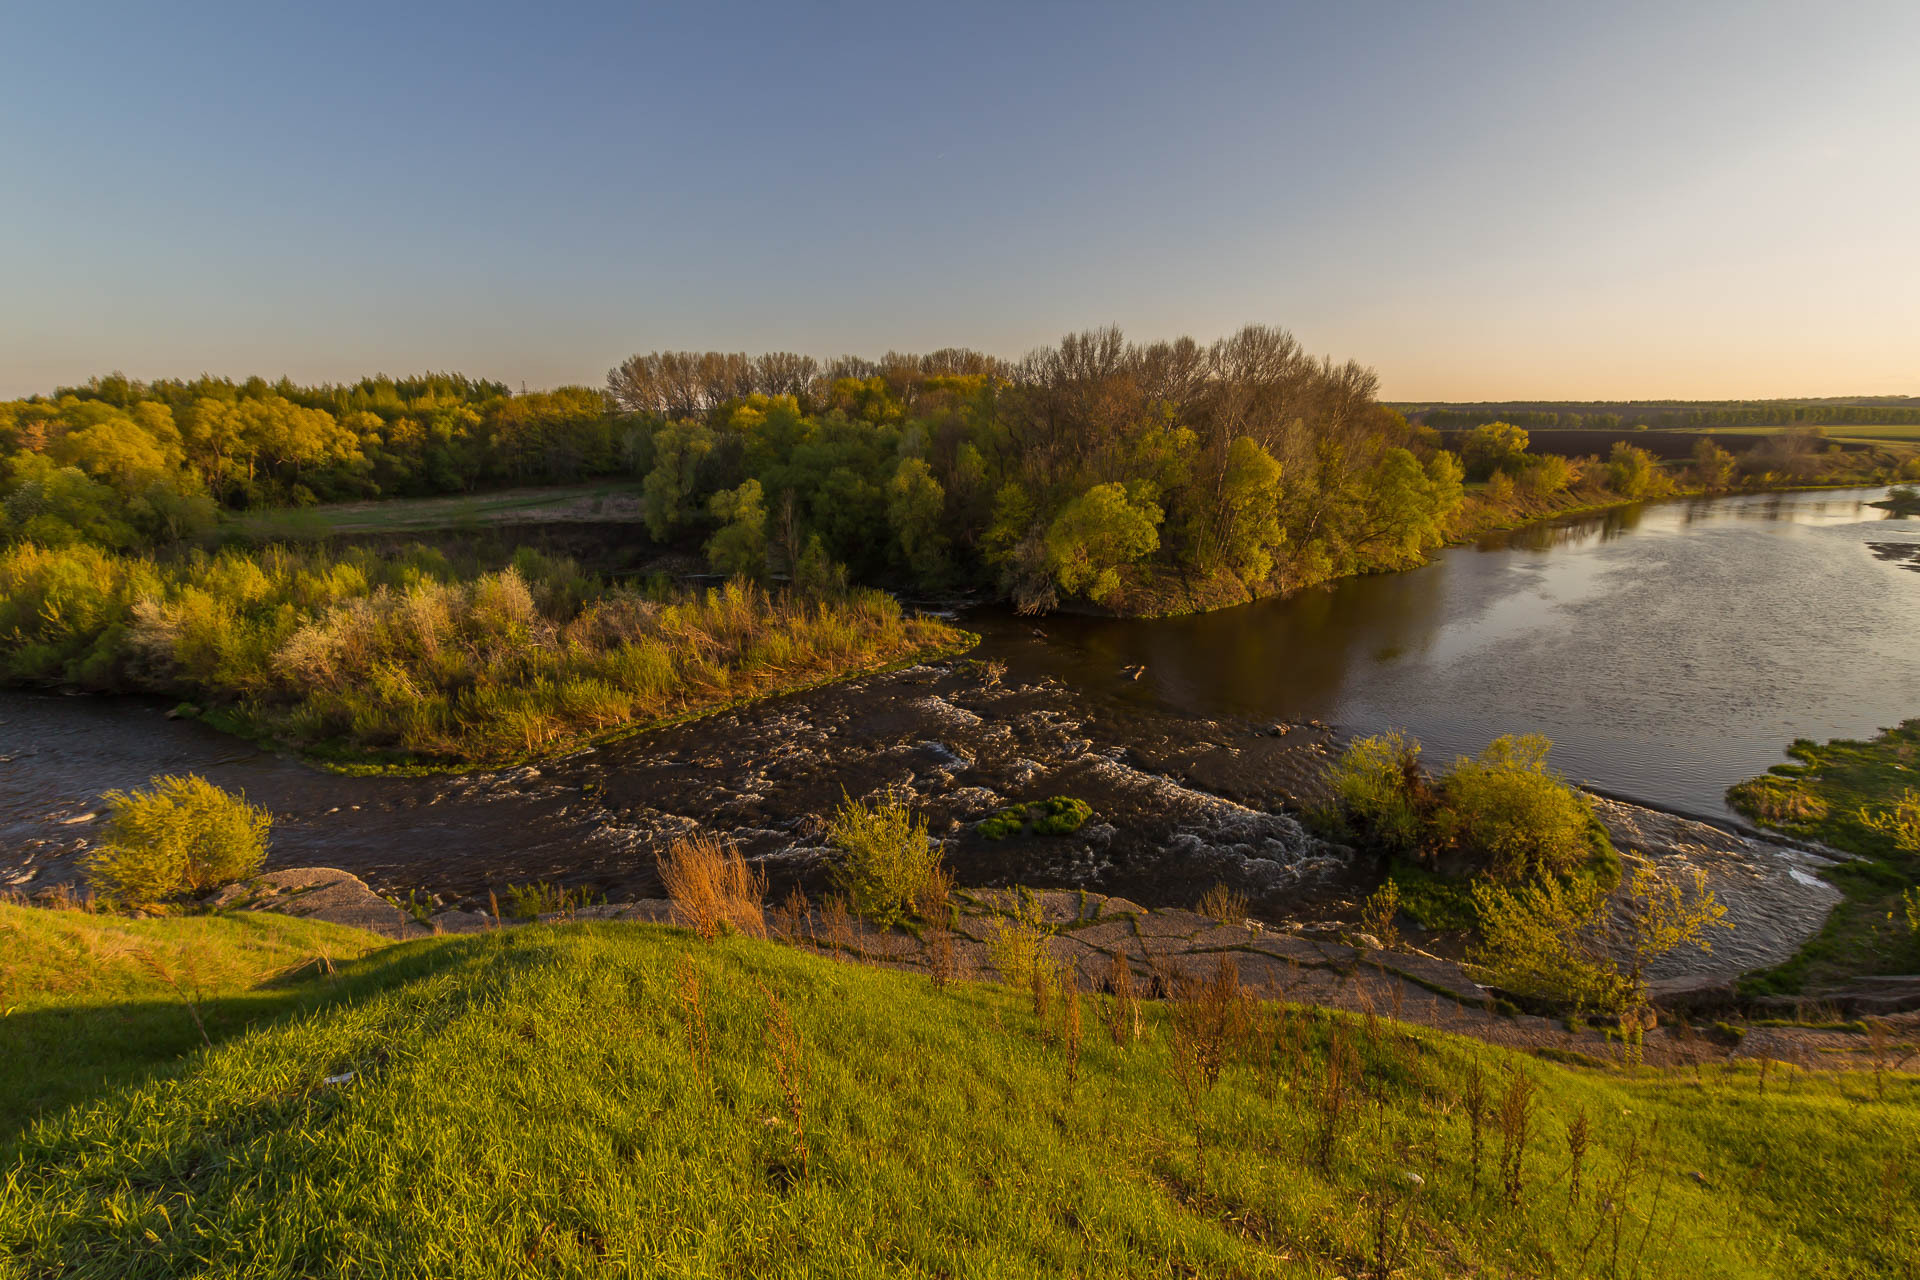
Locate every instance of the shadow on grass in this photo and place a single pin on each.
(55, 1058)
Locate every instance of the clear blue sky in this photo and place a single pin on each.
(1479, 200)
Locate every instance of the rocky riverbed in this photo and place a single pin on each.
(1179, 804)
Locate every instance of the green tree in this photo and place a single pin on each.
(1494, 446)
(1632, 471)
(1409, 505)
(58, 506)
(1713, 467)
(1250, 532)
(1545, 475)
(679, 449)
(1095, 536)
(915, 503)
(740, 547)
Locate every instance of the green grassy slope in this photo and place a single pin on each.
(93, 1000)
(557, 1100)
(1821, 797)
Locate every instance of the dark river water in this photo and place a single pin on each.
(1669, 650)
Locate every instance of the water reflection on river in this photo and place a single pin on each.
(1669, 650)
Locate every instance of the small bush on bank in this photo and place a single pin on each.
(1546, 939)
(1534, 942)
(1377, 784)
(1017, 945)
(888, 860)
(1506, 811)
(178, 835)
(531, 901)
(1502, 813)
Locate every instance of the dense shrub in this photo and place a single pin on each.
(1504, 812)
(1507, 812)
(1534, 942)
(176, 836)
(1565, 942)
(888, 859)
(1377, 785)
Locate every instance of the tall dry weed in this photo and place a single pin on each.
(712, 886)
(787, 1052)
(1514, 1116)
(1123, 1015)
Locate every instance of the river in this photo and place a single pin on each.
(1669, 650)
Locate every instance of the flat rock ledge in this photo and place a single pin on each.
(1090, 934)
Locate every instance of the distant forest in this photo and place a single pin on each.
(1043, 478)
(1154, 477)
(1670, 415)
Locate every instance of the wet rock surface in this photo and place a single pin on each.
(1176, 807)
(1178, 803)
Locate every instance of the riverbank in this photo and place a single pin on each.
(410, 662)
(1166, 593)
(1857, 797)
(1179, 805)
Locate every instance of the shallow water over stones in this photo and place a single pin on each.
(1178, 803)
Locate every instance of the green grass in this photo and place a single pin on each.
(616, 501)
(85, 1004)
(549, 1101)
(1820, 798)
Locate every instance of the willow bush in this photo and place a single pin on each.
(887, 860)
(177, 836)
(1503, 813)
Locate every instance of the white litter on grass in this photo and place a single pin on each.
(341, 1079)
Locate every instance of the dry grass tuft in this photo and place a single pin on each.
(712, 886)
(1223, 904)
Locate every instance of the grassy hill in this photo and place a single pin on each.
(623, 1100)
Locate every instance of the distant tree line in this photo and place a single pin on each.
(1666, 417)
(122, 463)
(1143, 477)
